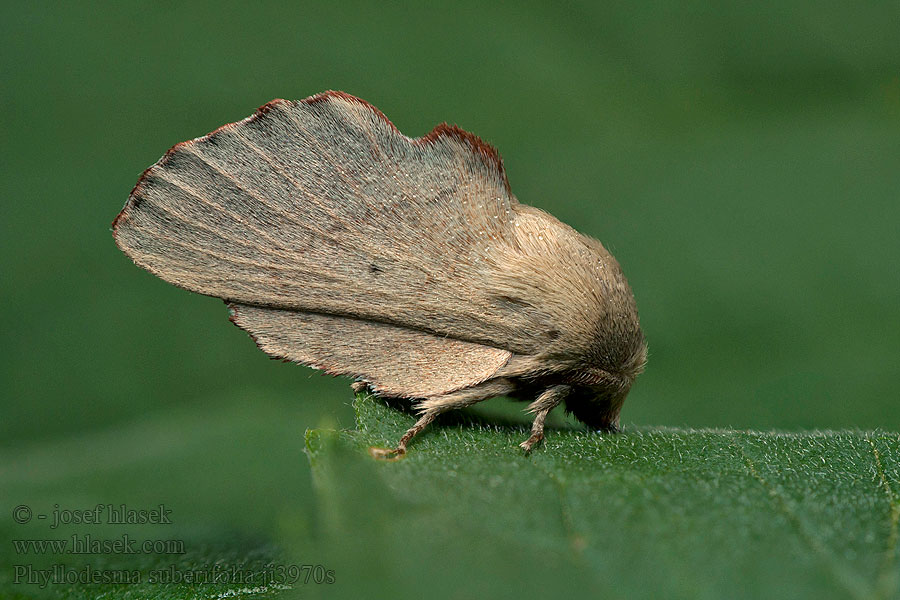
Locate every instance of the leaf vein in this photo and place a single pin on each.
(888, 579)
(855, 585)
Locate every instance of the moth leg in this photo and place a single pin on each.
(541, 407)
(359, 386)
(430, 408)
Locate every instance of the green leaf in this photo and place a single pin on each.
(232, 517)
(655, 513)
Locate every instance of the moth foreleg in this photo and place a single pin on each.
(359, 386)
(541, 407)
(430, 408)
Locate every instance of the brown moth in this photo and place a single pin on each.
(408, 264)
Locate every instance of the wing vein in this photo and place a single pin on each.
(165, 176)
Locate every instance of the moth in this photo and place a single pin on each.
(408, 264)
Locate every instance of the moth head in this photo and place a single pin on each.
(597, 406)
(597, 395)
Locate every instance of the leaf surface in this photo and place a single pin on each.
(651, 512)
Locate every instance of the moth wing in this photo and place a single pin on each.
(323, 206)
(371, 351)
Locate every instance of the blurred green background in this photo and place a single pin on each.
(742, 161)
